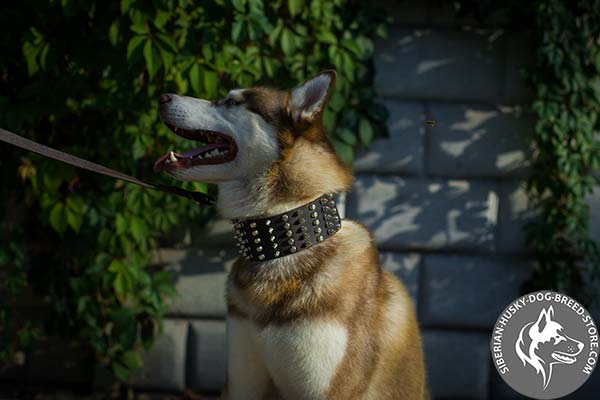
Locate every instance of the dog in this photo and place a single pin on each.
(543, 344)
(322, 322)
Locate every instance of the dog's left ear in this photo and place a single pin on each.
(308, 100)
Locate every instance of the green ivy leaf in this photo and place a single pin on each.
(120, 224)
(236, 30)
(74, 220)
(347, 136)
(132, 359)
(169, 41)
(194, 76)
(167, 57)
(344, 151)
(120, 284)
(152, 58)
(58, 218)
(327, 37)
(140, 27)
(138, 229)
(121, 372)
(295, 7)
(287, 41)
(134, 43)
(31, 51)
(126, 5)
(210, 84)
(113, 33)
(239, 5)
(365, 131)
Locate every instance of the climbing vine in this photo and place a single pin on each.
(83, 76)
(565, 81)
(565, 78)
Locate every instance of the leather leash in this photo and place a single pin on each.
(20, 141)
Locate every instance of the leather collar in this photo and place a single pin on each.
(277, 236)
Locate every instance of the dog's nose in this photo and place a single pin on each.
(164, 98)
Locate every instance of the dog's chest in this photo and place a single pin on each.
(301, 357)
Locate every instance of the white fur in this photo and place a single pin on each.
(314, 348)
(246, 198)
(249, 130)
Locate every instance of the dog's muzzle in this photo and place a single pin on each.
(287, 233)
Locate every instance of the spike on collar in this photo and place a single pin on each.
(277, 236)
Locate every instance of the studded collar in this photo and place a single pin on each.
(289, 232)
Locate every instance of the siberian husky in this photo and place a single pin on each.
(312, 320)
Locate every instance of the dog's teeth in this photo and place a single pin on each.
(172, 157)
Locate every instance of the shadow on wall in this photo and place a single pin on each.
(466, 141)
(479, 141)
(416, 214)
(465, 64)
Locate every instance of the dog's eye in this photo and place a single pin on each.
(230, 101)
(557, 339)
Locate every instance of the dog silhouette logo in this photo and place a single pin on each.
(545, 345)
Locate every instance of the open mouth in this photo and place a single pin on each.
(218, 149)
(563, 358)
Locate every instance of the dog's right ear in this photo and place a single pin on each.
(308, 100)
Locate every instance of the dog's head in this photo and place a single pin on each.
(251, 132)
(544, 342)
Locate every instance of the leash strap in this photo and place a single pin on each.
(20, 141)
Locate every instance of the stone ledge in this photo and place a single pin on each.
(201, 274)
(207, 361)
(164, 363)
(413, 214)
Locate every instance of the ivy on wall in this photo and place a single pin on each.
(565, 82)
(565, 78)
(84, 77)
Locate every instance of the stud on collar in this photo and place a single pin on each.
(288, 232)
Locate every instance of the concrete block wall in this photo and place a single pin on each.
(445, 202)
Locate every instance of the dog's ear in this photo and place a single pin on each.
(308, 100)
(544, 318)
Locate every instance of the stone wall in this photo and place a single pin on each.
(445, 203)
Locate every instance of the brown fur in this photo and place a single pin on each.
(340, 279)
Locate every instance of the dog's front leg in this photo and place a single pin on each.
(247, 377)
